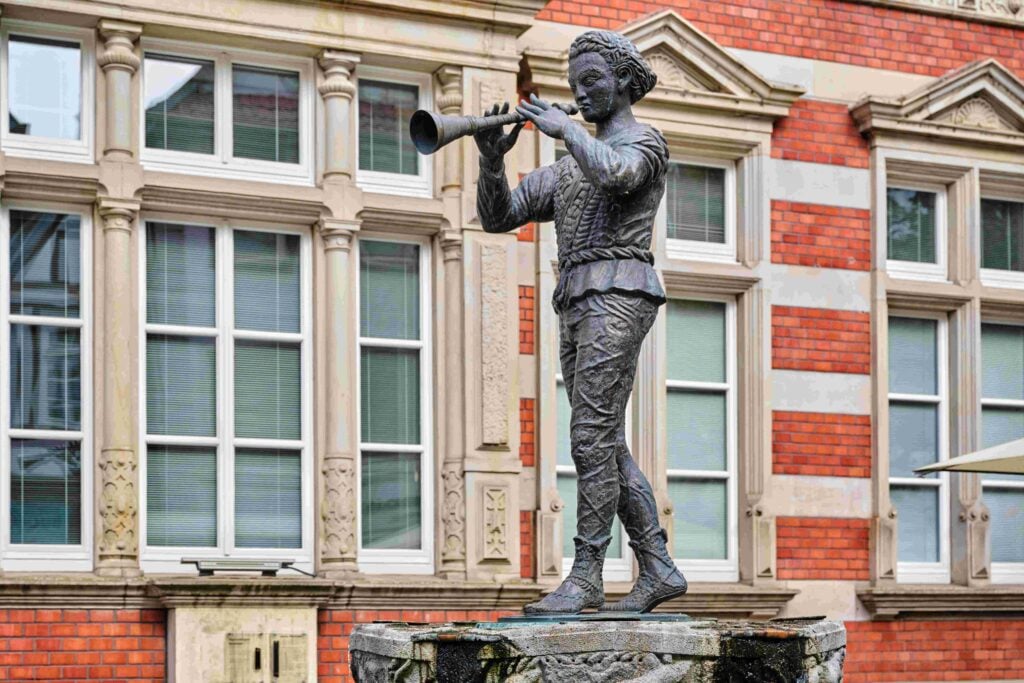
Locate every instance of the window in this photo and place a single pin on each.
(700, 211)
(918, 437)
(226, 392)
(388, 161)
(210, 112)
(45, 398)
(618, 565)
(396, 503)
(915, 233)
(1002, 420)
(48, 91)
(1002, 240)
(701, 439)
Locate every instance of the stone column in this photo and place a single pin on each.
(449, 103)
(119, 63)
(118, 546)
(453, 482)
(338, 91)
(338, 543)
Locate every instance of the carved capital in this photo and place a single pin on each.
(338, 68)
(118, 215)
(449, 97)
(119, 48)
(451, 245)
(337, 234)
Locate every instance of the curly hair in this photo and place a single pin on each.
(621, 55)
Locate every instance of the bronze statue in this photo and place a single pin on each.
(602, 196)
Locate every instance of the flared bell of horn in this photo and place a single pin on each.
(430, 132)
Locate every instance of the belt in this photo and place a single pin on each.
(578, 258)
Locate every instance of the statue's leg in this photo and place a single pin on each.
(598, 346)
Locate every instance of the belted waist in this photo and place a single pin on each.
(578, 258)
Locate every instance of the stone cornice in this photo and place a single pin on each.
(929, 602)
(303, 206)
(982, 11)
(411, 215)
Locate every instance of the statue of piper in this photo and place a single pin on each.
(602, 196)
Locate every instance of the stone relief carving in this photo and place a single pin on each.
(494, 344)
(454, 513)
(339, 506)
(603, 667)
(118, 508)
(672, 74)
(495, 523)
(978, 113)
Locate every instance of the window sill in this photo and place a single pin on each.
(928, 601)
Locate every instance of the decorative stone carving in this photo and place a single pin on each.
(118, 503)
(338, 510)
(449, 103)
(495, 523)
(337, 91)
(119, 62)
(119, 48)
(494, 344)
(978, 113)
(674, 75)
(454, 512)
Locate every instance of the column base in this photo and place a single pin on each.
(118, 571)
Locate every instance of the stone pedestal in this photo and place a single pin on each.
(647, 649)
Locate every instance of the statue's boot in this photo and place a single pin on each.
(582, 588)
(659, 578)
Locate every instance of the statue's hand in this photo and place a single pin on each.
(548, 118)
(493, 143)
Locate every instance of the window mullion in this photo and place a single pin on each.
(226, 423)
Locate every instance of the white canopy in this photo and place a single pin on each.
(1006, 458)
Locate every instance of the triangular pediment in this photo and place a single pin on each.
(981, 101)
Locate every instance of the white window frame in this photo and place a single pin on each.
(615, 568)
(727, 570)
(56, 149)
(420, 185)
(222, 163)
(704, 251)
(912, 270)
(994, 277)
(1003, 572)
(168, 558)
(47, 558)
(930, 572)
(399, 561)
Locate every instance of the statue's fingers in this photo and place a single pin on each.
(504, 108)
(530, 107)
(514, 134)
(538, 102)
(530, 115)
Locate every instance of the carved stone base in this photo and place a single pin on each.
(620, 651)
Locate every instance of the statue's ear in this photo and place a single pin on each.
(625, 79)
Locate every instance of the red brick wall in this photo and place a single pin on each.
(829, 30)
(65, 645)
(527, 316)
(934, 651)
(820, 133)
(527, 432)
(336, 625)
(822, 548)
(821, 236)
(527, 233)
(526, 544)
(821, 340)
(821, 444)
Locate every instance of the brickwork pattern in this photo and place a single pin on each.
(822, 548)
(989, 650)
(826, 30)
(821, 444)
(820, 133)
(527, 318)
(70, 645)
(527, 432)
(821, 236)
(335, 627)
(526, 544)
(821, 340)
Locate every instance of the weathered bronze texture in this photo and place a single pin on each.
(602, 197)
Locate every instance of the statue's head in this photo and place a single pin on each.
(607, 73)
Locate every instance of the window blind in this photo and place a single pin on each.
(912, 223)
(391, 500)
(180, 103)
(44, 87)
(695, 197)
(913, 356)
(1002, 235)
(265, 114)
(390, 391)
(384, 142)
(917, 523)
(697, 331)
(913, 437)
(180, 275)
(268, 501)
(696, 423)
(699, 517)
(46, 277)
(46, 492)
(181, 385)
(181, 496)
(389, 290)
(267, 292)
(268, 402)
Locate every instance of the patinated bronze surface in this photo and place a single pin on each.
(602, 197)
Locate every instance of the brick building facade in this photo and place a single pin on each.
(242, 319)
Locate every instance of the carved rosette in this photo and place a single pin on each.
(454, 512)
(338, 511)
(118, 506)
(495, 523)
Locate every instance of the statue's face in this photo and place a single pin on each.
(598, 92)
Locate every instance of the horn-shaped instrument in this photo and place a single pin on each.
(430, 132)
